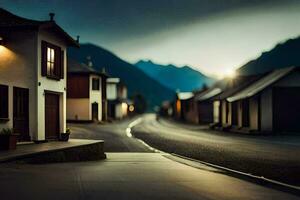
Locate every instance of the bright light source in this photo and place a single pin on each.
(230, 73)
(131, 108)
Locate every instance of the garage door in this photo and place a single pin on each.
(286, 109)
(51, 116)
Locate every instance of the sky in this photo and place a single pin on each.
(212, 36)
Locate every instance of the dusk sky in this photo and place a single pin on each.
(213, 36)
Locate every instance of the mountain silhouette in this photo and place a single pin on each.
(184, 78)
(136, 80)
(282, 55)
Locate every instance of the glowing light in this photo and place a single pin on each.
(124, 108)
(131, 108)
(230, 73)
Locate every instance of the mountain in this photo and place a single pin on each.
(282, 55)
(184, 78)
(136, 80)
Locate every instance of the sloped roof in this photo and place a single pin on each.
(10, 21)
(81, 68)
(261, 84)
(185, 95)
(237, 84)
(216, 89)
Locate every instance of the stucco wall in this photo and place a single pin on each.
(239, 113)
(111, 91)
(47, 84)
(216, 112)
(266, 110)
(78, 109)
(18, 62)
(95, 97)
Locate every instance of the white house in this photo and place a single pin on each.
(33, 76)
(116, 99)
(84, 93)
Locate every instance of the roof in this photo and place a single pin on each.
(185, 95)
(237, 84)
(113, 80)
(216, 89)
(75, 67)
(261, 84)
(11, 21)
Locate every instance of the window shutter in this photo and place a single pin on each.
(62, 66)
(3, 101)
(44, 58)
(57, 62)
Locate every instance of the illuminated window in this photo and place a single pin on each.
(50, 61)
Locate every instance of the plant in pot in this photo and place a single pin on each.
(65, 136)
(8, 140)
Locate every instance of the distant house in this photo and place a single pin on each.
(182, 105)
(270, 104)
(223, 110)
(208, 107)
(117, 102)
(33, 76)
(85, 93)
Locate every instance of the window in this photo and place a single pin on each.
(3, 102)
(95, 84)
(52, 61)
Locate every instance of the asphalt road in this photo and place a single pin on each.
(113, 134)
(274, 157)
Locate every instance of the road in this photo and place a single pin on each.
(132, 176)
(134, 172)
(275, 157)
(112, 133)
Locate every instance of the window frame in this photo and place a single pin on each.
(95, 80)
(55, 72)
(4, 104)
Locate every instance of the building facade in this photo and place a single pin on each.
(33, 77)
(85, 93)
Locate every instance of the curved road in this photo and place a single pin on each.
(275, 157)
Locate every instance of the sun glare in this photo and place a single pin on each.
(229, 73)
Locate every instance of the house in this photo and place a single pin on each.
(208, 104)
(85, 93)
(117, 102)
(222, 108)
(182, 105)
(33, 76)
(270, 104)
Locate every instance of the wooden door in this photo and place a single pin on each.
(95, 111)
(21, 113)
(51, 116)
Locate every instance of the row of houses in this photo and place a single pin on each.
(40, 89)
(267, 102)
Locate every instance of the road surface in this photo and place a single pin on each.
(112, 133)
(127, 176)
(275, 157)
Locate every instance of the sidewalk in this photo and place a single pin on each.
(131, 176)
(29, 150)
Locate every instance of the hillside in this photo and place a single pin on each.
(184, 78)
(135, 79)
(282, 55)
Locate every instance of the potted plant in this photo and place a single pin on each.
(8, 140)
(65, 136)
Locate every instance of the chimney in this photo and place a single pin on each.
(77, 40)
(89, 61)
(52, 16)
